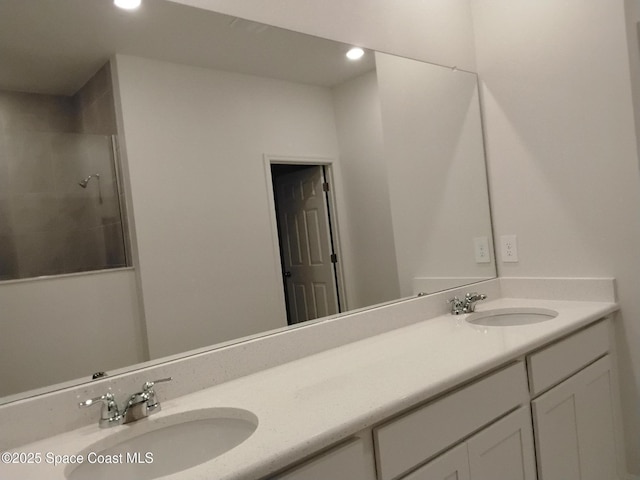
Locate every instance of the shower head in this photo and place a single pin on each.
(85, 182)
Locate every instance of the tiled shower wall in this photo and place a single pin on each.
(49, 224)
(94, 105)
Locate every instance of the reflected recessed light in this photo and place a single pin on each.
(355, 53)
(127, 4)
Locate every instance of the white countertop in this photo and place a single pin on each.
(309, 404)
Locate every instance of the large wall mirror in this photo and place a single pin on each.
(267, 181)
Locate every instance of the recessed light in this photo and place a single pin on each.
(355, 53)
(127, 4)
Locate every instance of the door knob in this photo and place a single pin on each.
(287, 274)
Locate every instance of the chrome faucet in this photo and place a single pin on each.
(140, 405)
(467, 304)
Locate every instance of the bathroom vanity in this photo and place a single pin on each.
(483, 430)
(435, 398)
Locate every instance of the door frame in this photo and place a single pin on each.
(330, 172)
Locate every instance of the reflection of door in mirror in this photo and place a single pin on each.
(306, 245)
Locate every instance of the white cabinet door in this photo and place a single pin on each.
(504, 450)
(452, 465)
(574, 427)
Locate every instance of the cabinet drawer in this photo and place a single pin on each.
(559, 361)
(345, 461)
(403, 443)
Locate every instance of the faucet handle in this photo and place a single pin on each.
(107, 400)
(149, 385)
(457, 305)
(475, 296)
(152, 401)
(109, 413)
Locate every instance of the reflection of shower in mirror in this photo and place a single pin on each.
(85, 182)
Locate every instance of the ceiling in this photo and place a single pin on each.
(55, 46)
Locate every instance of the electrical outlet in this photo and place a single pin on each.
(481, 249)
(509, 248)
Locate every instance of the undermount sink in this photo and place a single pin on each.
(510, 317)
(154, 448)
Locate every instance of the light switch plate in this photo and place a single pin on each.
(481, 249)
(509, 248)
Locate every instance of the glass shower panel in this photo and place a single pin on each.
(60, 206)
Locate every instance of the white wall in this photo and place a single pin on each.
(368, 250)
(434, 156)
(563, 163)
(78, 324)
(195, 141)
(438, 31)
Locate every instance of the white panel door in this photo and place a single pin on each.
(306, 244)
(574, 427)
(504, 450)
(452, 465)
